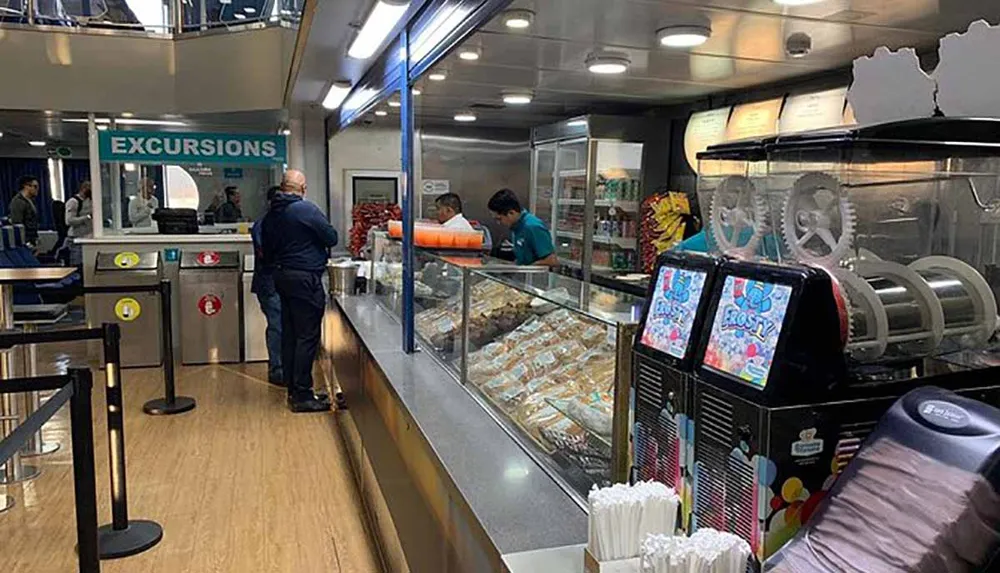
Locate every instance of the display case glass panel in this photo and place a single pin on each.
(616, 206)
(546, 358)
(544, 182)
(569, 207)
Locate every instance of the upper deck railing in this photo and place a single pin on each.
(156, 17)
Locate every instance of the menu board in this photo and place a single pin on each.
(818, 110)
(672, 310)
(753, 120)
(746, 329)
(705, 128)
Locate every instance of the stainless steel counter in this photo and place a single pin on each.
(488, 497)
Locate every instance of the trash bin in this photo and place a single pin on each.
(254, 321)
(137, 313)
(210, 307)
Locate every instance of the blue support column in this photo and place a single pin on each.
(407, 128)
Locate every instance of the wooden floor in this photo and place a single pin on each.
(239, 484)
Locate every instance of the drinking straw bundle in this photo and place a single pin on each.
(707, 551)
(621, 516)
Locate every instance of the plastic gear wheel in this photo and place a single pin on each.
(818, 221)
(737, 207)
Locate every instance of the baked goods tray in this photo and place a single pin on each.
(547, 448)
(599, 443)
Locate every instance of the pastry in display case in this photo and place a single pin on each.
(558, 375)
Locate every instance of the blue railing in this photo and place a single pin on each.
(151, 16)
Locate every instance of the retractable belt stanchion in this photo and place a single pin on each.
(171, 403)
(122, 537)
(84, 479)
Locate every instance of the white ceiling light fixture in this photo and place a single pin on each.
(336, 94)
(377, 26)
(249, 9)
(577, 123)
(130, 167)
(687, 34)
(102, 127)
(36, 143)
(394, 103)
(286, 132)
(470, 53)
(127, 114)
(518, 19)
(465, 117)
(103, 122)
(608, 62)
(416, 91)
(797, 2)
(515, 97)
(381, 113)
(438, 75)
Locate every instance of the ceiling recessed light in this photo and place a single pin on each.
(416, 91)
(337, 94)
(381, 112)
(438, 76)
(127, 114)
(286, 132)
(49, 112)
(797, 2)
(249, 9)
(465, 116)
(470, 54)
(394, 103)
(239, 16)
(576, 123)
(36, 143)
(608, 62)
(684, 36)
(102, 127)
(130, 167)
(376, 28)
(518, 19)
(517, 97)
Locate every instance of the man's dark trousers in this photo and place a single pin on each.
(302, 307)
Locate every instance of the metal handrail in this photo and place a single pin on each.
(75, 388)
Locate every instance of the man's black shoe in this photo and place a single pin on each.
(309, 405)
(276, 382)
(318, 396)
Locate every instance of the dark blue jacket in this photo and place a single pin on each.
(296, 235)
(263, 274)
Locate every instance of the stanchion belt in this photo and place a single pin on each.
(13, 442)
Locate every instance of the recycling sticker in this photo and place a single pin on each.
(127, 309)
(209, 305)
(126, 260)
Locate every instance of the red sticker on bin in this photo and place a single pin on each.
(210, 305)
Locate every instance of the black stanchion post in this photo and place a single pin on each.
(123, 537)
(84, 478)
(170, 403)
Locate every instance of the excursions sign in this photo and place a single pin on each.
(160, 147)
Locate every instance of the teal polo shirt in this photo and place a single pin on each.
(532, 239)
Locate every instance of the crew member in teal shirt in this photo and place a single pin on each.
(532, 239)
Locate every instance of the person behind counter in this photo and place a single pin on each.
(142, 206)
(295, 241)
(230, 212)
(267, 296)
(78, 222)
(449, 213)
(532, 239)
(22, 210)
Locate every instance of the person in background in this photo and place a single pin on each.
(22, 210)
(267, 296)
(449, 213)
(295, 240)
(78, 221)
(142, 206)
(230, 212)
(532, 239)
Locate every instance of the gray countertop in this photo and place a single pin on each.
(519, 505)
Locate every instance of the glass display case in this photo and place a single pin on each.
(587, 185)
(550, 356)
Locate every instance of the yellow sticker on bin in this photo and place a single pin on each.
(127, 309)
(126, 260)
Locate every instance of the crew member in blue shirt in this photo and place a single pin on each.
(532, 239)
(295, 240)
